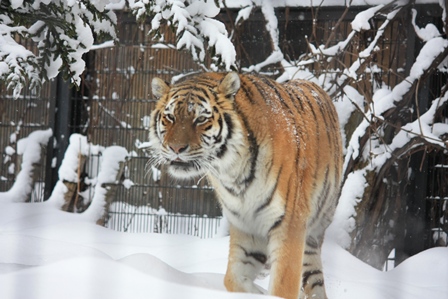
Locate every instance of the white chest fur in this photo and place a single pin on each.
(253, 211)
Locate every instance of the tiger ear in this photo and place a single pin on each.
(159, 87)
(230, 84)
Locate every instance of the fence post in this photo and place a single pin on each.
(59, 122)
(111, 190)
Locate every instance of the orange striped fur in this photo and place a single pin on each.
(273, 154)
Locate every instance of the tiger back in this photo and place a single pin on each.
(273, 154)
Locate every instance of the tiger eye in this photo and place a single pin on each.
(169, 117)
(201, 119)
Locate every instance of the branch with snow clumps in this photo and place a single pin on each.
(268, 12)
(195, 27)
(62, 30)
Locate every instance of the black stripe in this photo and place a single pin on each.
(277, 223)
(256, 83)
(311, 242)
(272, 86)
(317, 160)
(253, 150)
(270, 196)
(228, 121)
(307, 274)
(175, 93)
(231, 191)
(201, 98)
(220, 129)
(295, 98)
(222, 150)
(296, 89)
(321, 199)
(324, 111)
(244, 88)
(199, 88)
(283, 103)
(156, 119)
(256, 255)
(319, 283)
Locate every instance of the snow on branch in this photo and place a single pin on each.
(424, 128)
(360, 23)
(364, 56)
(243, 14)
(195, 27)
(276, 56)
(62, 31)
(432, 53)
(384, 125)
(17, 63)
(425, 34)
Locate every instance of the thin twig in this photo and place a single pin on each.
(418, 107)
(338, 23)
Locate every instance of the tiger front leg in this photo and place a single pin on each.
(247, 257)
(286, 247)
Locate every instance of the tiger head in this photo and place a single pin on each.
(192, 122)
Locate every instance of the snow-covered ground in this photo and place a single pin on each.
(47, 253)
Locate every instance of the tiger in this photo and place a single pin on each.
(272, 152)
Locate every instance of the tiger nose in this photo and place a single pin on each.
(178, 148)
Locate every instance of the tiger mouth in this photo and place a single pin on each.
(182, 163)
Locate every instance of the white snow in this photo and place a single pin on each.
(68, 171)
(30, 148)
(344, 222)
(106, 44)
(361, 21)
(110, 166)
(9, 150)
(428, 53)
(314, 3)
(156, 174)
(425, 34)
(47, 253)
(127, 183)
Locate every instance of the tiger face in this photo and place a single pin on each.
(191, 124)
